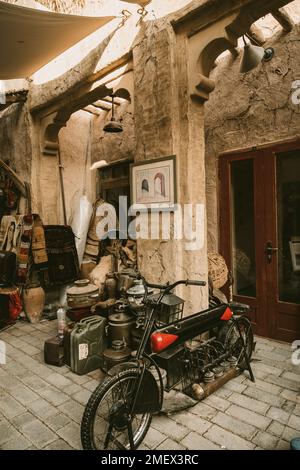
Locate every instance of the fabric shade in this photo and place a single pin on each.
(31, 38)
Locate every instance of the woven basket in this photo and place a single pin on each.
(217, 270)
(242, 262)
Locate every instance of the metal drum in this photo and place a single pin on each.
(120, 326)
(115, 355)
(82, 294)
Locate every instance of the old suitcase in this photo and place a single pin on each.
(88, 341)
(7, 268)
(10, 305)
(54, 352)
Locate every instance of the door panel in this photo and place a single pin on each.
(260, 235)
(287, 271)
(243, 227)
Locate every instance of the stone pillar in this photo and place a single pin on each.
(168, 122)
(190, 142)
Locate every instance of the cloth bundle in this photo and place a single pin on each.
(23, 250)
(24, 236)
(39, 251)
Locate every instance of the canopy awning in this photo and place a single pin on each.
(31, 38)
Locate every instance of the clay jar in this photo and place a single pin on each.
(33, 303)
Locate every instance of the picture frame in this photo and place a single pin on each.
(153, 184)
(295, 254)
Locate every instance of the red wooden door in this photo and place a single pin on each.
(259, 193)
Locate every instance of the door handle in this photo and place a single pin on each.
(270, 250)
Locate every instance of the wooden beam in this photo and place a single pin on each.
(283, 19)
(256, 35)
(117, 101)
(16, 179)
(91, 109)
(234, 51)
(102, 104)
(251, 12)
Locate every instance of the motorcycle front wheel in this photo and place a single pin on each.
(108, 422)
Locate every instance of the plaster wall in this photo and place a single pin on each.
(251, 109)
(75, 149)
(114, 147)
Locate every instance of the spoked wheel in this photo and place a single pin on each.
(108, 423)
(230, 337)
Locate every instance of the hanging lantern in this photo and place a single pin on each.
(113, 126)
(254, 55)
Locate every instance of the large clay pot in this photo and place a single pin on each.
(82, 294)
(33, 303)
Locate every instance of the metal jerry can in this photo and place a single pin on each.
(88, 341)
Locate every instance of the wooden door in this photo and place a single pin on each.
(259, 194)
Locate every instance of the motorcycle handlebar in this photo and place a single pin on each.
(170, 287)
(196, 283)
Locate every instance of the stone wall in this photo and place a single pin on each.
(250, 109)
(15, 140)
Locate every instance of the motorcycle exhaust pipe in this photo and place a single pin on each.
(201, 391)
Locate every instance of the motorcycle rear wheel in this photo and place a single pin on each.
(229, 336)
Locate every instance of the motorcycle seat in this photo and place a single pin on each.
(238, 307)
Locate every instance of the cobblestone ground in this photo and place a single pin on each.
(41, 406)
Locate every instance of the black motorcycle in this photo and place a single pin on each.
(119, 412)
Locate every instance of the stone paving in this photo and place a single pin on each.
(41, 406)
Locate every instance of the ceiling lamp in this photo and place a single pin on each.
(254, 55)
(113, 126)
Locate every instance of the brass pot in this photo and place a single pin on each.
(82, 294)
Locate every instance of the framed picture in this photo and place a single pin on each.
(153, 184)
(295, 255)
